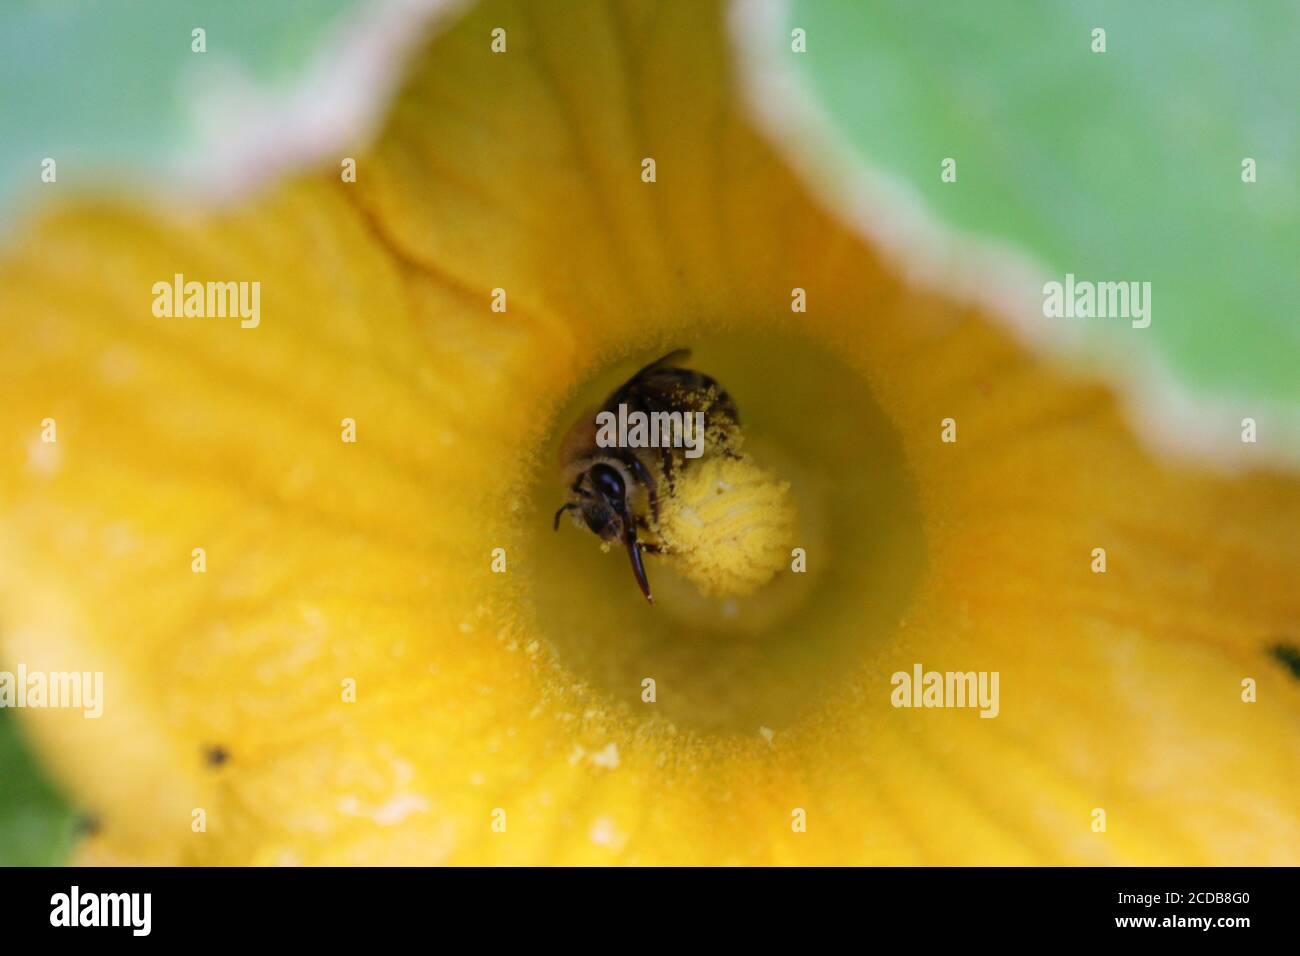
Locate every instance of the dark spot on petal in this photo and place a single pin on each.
(216, 755)
(86, 825)
(1289, 655)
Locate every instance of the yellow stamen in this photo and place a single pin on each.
(729, 525)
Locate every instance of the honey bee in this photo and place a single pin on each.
(617, 490)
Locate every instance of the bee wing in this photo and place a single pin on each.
(580, 440)
(674, 390)
(676, 355)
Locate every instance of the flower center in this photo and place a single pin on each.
(767, 660)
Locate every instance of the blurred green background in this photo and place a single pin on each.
(1122, 165)
(37, 827)
(98, 85)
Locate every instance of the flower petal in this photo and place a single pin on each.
(370, 562)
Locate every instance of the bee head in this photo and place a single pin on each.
(600, 495)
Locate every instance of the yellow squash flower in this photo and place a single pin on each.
(349, 680)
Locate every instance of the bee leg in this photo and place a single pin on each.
(643, 475)
(667, 455)
(648, 403)
(646, 546)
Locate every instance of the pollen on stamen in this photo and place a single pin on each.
(728, 526)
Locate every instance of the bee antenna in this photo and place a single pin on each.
(567, 506)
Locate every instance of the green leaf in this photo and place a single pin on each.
(103, 86)
(1122, 165)
(37, 826)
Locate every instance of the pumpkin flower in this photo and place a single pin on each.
(313, 556)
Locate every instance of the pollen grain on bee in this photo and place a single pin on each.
(638, 429)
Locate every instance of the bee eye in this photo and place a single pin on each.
(609, 483)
